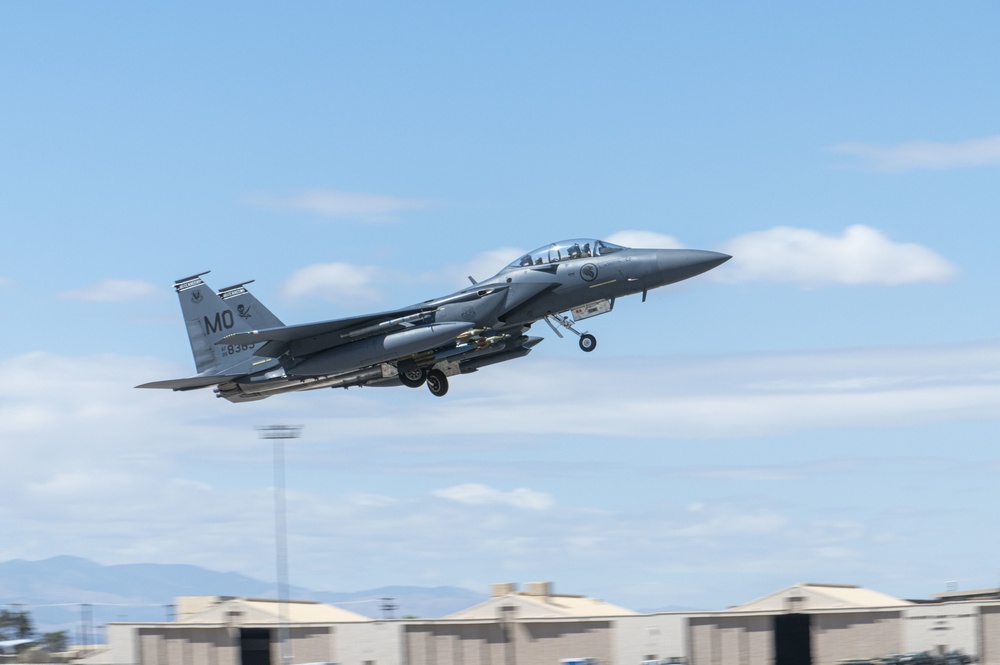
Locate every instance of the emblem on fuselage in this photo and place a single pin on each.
(468, 314)
(588, 272)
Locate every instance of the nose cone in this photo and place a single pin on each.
(678, 264)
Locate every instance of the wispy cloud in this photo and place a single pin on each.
(482, 266)
(340, 283)
(786, 472)
(747, 396)
(730, 521)
(645, 239)
(112, 290)
(370, 208)
(98, 497)
(859, 255)
(479, 495)
(914, 155)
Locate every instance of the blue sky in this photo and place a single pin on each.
(824, 407)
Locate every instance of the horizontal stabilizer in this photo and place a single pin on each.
(190, 383)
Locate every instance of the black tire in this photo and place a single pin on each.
(588, 343)
(413, 377)
(437, 383)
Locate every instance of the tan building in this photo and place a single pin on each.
(537, 601)
(220, 630)
(808, 597)
(806, 624)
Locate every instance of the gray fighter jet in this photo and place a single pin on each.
(247, 353)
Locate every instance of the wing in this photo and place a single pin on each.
(525, 297)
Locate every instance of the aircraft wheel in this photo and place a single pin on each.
(588, 343)
(413, 378)
(437, 382)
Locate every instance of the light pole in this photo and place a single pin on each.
(278, 434)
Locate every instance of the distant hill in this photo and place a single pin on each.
(55, 589)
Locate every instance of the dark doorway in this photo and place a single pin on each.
(255, 646)
(792, 645)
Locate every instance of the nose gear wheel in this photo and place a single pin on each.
(587, 341)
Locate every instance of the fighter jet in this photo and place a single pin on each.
(247, 353)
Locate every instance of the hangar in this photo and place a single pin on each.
(805, 624)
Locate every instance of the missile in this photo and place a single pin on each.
(385, 325)
(469, 334)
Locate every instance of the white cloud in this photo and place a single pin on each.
(915, 155)
(479, 495)
(482, 266)
(661, 399)
(362, 207)
(860, 255)
(112, 290)
(372, 500)
(734, 522)
(341, 283)
(644, 239)
(92, 459)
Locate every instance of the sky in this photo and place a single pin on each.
(824, 407)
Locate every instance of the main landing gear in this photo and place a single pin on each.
(435, 379)
(437, 383)
(413, 378)
(587, 341)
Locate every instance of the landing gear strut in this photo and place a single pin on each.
(587, 341)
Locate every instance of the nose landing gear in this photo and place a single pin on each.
(587, 341)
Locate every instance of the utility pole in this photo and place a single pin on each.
(388, 607)
(86, 624)
(278, 434)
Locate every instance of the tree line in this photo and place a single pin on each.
(17, 625)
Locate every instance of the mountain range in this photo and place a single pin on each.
(79, 596)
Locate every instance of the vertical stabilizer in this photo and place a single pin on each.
(248, 307)
(208, 319)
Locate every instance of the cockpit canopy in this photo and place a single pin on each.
(566, 250)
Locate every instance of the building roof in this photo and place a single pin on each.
(811, 596)
(974, 594)
(537, 602)
(223, 609)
